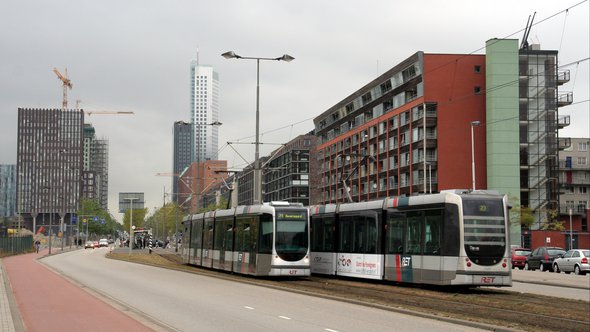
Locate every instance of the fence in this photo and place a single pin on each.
(15, 245)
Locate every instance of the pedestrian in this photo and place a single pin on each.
(37, 245)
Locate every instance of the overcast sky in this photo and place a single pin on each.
(135, 56)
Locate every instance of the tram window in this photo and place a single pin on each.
(208, 237)
(358, 234)
(413, 232)
(265, 246)
(395, 233)
(242, 235)
(433, 222)
(345, 241)
(322, 234)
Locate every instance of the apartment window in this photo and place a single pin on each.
(386, 86)
(583, 146)
(583, 190)
(477, 90)
(582, 161)
(477, 69)
(366, 98)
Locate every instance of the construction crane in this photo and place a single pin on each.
(89, 113)
(67, 84)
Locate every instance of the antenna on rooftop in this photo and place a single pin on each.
(524, 44)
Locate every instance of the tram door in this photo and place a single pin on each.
(246, 237)
(208, 230)
(196, 252)
(222, 254)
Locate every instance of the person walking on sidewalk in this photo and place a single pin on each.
(37, 245)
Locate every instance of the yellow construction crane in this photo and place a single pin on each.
(67, 84)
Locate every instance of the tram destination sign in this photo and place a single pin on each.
(292, 215)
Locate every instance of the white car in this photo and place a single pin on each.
(575, 260)
(103, 243)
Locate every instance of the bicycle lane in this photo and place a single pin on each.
(49, 302)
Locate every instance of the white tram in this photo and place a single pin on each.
(451, 238)
(271, 239)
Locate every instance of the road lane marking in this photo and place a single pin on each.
(330, 330)
(247, 307)
(284, 317)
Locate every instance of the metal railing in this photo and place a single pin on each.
(15, 245)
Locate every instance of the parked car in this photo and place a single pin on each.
(96, 245)
(103, 243)
(575, 260)
(519, 256)
(542, 258)
(89, 244)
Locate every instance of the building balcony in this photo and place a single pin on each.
(563, 77)
(564, 99)
(563, 121)
(564, 143)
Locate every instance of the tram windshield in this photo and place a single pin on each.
(291, 234)
(484, 229)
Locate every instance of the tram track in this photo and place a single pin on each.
(492, 307)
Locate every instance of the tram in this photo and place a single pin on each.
(271, 239)
(455, 237)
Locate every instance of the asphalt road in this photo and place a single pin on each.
(189, 302)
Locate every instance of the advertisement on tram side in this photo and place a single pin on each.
(365, 265)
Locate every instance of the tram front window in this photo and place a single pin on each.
(484, 230)
(291, 235)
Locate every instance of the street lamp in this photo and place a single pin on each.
(130, 199)
(214, 123)
(571, 230)
(473, 124)
(257, 197)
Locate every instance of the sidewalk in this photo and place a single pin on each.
(45, 301)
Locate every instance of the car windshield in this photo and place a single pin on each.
(522, 252)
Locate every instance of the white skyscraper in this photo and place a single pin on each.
(204, 111)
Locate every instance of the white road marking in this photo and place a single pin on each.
(330, 330)
(247, 307)
(284, 317)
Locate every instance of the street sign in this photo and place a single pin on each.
(126, 199)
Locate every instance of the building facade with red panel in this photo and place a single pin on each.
(406, 132)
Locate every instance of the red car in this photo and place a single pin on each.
(519, 256)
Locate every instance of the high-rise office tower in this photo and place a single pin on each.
(204, 111)
(183, 142)
(96, 167)
(49, 165)
(7, 190)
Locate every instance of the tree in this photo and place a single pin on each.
(138, 218)
(520, 214)
(550, 220)
(212, 207)
(96, 220)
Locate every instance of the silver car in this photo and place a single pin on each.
(575, 260)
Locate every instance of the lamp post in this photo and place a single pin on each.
(571, 230)
(214, 123)
(473, 124)
(257, 197)
(130, 199)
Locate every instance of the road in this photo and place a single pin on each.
(190, 302)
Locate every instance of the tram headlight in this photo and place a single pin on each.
(306, 260)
